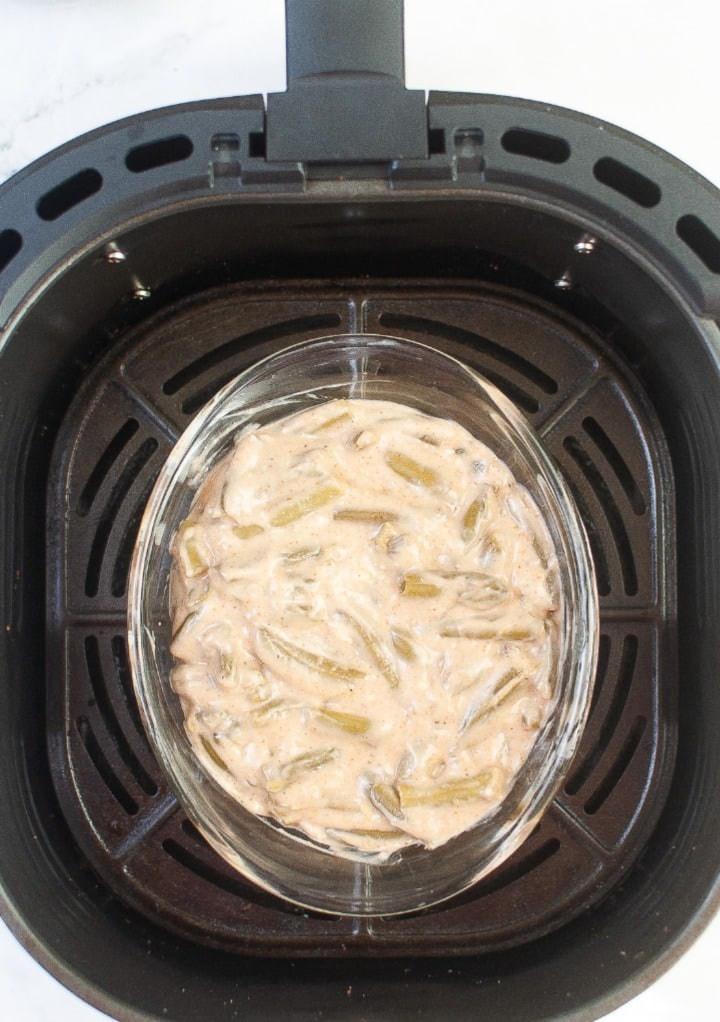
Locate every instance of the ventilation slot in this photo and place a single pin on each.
(231, 349)
(699, 238)
(10, 245)
(628, 182)
(114, 729)
(105, 463)
(159, 153)
(204, 870)
(621, 689)
(617, 463)
(503, 877)
(70, 193)
(126, 545)
(618, 768)
(121, 665)
(610, 509)
(535, 376)
(113, 784)
(118, 494)
(602, 571)
(603, 660)
(536, 144)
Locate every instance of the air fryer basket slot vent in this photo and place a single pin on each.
(628, 182)
(703, 242)
(119, 430)
(536, 144)
(63, 197)
(159, 153)
(10, 245)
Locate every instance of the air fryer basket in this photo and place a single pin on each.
(147, 263)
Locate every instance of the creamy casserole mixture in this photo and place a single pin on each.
(364, 604)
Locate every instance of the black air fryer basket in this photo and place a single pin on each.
(147, 263)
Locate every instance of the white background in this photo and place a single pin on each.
(67, 66)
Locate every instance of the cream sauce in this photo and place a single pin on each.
(363, 604)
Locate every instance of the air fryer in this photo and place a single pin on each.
(143, 266)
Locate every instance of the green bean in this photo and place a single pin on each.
(298, 765)
(480, 588)
(387, 537)
(303, 554)
(540, 552)
(341, 417)
(471, 518)
(483, 630)
(273, 708)
(385, 798)
(402, 644)
(369, 832)
(214, 754)
(369, 840)
(415, 586)
(305, 657)
(191, 557)
(503, 689)
(464, 789)
(375, 648)
(247, 531)
(306, 505)
(411, 470)
(353, 514)
(353, 723)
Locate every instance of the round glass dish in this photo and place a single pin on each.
(279, 861)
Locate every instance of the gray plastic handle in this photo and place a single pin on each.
(346, 101)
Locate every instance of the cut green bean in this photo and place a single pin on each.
(294, 768)
(385, 798)
(306, 505)
(376, 650)
(416, 586)
(373, 834)
(273, 708)
(487, 629)
(402, 644)
(314, 661)
(411, 470)
(502, 691)
(333, 421)
(306, 553)
(471, 518)
(247, 531)
(359, 514)
(214, 754)
(464, 789)
(193, 558)
(353, 723)
(540, 552)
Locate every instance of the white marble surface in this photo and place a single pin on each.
(67, 66)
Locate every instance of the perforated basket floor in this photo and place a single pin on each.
(595, 422)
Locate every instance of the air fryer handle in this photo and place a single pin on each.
(346, 101)
(344, 36)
